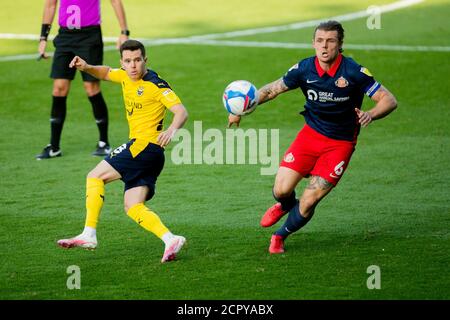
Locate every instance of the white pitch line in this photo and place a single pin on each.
(32, 56)
(383, 47)
(26, 36)
(201, 39)
(293, 26)
(256, 44)
(311, 23)
(35, 37)
(293, 45)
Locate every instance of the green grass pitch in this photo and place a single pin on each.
(391, 209)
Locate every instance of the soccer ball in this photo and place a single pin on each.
(240, 97)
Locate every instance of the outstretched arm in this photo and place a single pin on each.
(121, 17)
(100, 72)
(179, 119)
(266, 93)
(385, 104)
(271, 91)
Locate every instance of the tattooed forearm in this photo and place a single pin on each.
(319, 183)
(271, 90)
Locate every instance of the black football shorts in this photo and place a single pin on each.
(86, 43)
(143, 170)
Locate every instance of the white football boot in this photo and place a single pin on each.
(172, 248)
(81, 241)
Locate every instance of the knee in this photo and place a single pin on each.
(280, 192)
(60, 89)
(127, 205)
(92, 174)
(91, 88)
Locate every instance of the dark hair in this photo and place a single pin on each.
(332, 25)
(132, 45)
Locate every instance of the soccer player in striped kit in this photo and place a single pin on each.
(79, 34)
(334, 87)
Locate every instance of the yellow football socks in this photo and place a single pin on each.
(147, 219)
(95, 196)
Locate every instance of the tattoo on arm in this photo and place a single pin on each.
(271, 90)
(319, 183)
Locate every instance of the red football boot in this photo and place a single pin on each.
(276, 244)
(272, 215)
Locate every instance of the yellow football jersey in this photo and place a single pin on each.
(146, 101)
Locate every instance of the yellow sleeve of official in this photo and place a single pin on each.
(116, 75)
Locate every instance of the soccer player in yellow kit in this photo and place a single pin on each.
(139, 162)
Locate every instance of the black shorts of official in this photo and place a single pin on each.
(86, 43)
(143, 170)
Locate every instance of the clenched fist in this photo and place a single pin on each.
(78, 63)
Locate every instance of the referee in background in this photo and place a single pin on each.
(79, 35)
